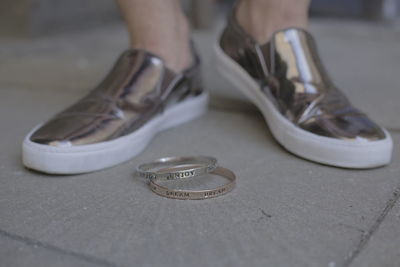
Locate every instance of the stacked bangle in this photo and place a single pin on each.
(178, 168)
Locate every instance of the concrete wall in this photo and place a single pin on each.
(27, 18)
(382, 10)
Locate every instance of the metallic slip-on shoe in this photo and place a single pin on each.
(306, 113)
(114, 122)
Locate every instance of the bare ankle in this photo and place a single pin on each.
(159, 27)
(172, 45)
(261, 18)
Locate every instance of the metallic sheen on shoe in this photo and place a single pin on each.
(138, 88)
(290, 73)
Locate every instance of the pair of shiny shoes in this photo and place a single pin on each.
(140, 97)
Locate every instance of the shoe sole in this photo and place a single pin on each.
(93, 157)
(358, 154)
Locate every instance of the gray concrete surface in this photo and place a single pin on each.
(23, 251)
(285, 211)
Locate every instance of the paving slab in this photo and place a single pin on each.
(67, 62)
(285, 211)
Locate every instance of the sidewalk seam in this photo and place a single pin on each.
(35, 243)
(371, 231)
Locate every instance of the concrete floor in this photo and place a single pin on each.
(285, 211)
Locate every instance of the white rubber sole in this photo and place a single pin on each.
(87, 158)
(330, 151)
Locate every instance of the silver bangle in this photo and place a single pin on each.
(197, 194)
(169, 168)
